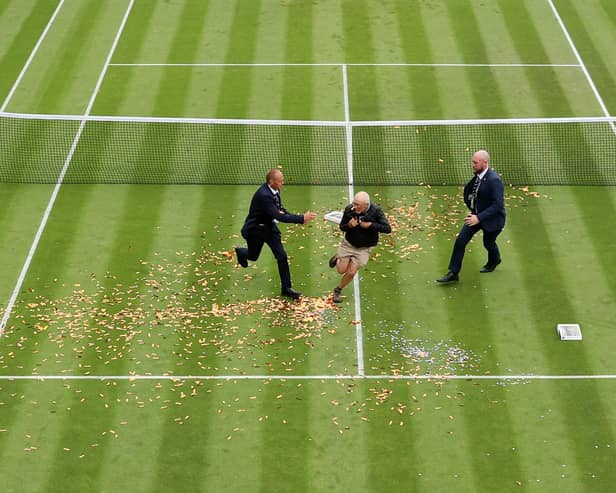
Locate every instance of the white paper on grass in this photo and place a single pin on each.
(333, 216)
(569, 332)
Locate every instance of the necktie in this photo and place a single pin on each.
(277, 201)
(474, 193)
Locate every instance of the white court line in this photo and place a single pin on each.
(581, 62)
(496, 65)
(56, 190)
(356, 293)
(31, 57)
(307, 377)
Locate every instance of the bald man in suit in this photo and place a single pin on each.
(261, 227)
(484, 196)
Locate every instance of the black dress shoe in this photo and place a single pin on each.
(333, 261)
(290, 293)
(449, 277)
(337, 297)
(488, 267)
(241, 259)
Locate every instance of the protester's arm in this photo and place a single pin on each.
(380, 223)
(347, 216)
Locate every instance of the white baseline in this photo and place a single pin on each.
(309, 377)
(570, 65)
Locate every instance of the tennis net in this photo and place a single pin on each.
(98, 149)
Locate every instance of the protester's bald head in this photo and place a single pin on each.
(361, 202)
(362, 198)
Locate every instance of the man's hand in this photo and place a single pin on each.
(471, 220)
(309, 216)
(353, 222)
(365, 224)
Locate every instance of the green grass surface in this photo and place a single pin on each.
(463, 436)
(139, 280)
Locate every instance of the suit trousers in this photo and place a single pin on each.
(256, 239)
(464, 236)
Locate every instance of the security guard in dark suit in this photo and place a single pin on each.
(484, 196)
(261, 226)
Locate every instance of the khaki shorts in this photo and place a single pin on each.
(359, 256)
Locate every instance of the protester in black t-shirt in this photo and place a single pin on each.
(361, 222)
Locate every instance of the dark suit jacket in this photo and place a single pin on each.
(490, 201)
(263, 210)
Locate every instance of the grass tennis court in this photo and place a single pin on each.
(137, 356)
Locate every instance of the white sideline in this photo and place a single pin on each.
(581, 62)
(359, 338)
(30, 58)
(54, 195)
(308, 377)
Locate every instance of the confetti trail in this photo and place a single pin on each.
(416, 356)
(170, 303)
(173, 313)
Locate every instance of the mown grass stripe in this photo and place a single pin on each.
(550, 94)
(424, 86)
(397, 319)
(541, 259)
(193, 14)
(28, 440)
(275, 450)
(69, 57)
(148, 213)
(471, 322)
(133, 40)
(468, 318)
(545, 84)
(609, 8)
(597, 59)
(172, 93)
(22, 205)
(589, 79)
(415, 44)
(235, 91)
(17, 54)
(594, 212)
(582, 430)
(57, 188)
(33, 247)
(487, 99)
(3, 7)
(95, 156)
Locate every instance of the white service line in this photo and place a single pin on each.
(555, 65)
(581, 62)
(54, 194)
(356, 293)
(31, 57)
(308, 377)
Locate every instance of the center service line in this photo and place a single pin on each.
(356, 294)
